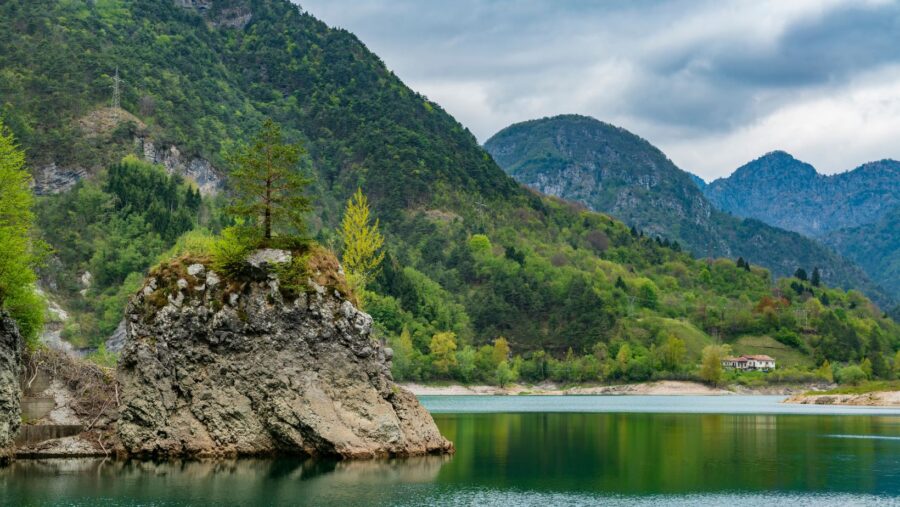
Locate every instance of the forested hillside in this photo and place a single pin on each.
(874, 246)
(614, 171)
(849, 211)
(471, 256)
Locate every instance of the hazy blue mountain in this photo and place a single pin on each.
(783, 191)
(853, 212)
(609, 169)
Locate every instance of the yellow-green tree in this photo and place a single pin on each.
(506, 374)
(361, 241)
(402, 364)
(897, 363)
(711, 363)
(622, 358)
(501, 350)
(825, 371)
(268, 187)
(18, 251)
(673, 352)
(443, 352)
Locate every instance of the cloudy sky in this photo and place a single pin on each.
(714, 84)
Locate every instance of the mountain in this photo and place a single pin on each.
(700, 182)
(785, 192)
(614, 171)
(853, 212)
(874, 246)
(471, 255)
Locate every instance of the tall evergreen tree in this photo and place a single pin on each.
(268, 188)
(816, 277)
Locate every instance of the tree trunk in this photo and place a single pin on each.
(267, 221)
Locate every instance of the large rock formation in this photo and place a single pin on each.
(221, 367)
(11, 348)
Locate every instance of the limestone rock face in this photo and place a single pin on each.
(11, 348)
(215, 367)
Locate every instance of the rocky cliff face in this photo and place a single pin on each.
(218, 367)
(610, 170)
(11, 348)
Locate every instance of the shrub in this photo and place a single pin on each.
(852, 375)
(229, 252)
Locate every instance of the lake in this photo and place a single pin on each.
(531, 450)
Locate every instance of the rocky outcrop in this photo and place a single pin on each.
(233, 16)
(53, 179)
(11, 349)
(195, 169)
(222, 367)
(873, 399)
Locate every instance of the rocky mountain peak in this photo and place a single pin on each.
(777, 166)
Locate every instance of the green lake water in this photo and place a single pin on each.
(565, 450)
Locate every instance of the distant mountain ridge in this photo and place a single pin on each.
(788, 193)
(611, 170)
(857, 213)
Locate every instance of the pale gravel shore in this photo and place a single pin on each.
(664, 387)
(657, 388)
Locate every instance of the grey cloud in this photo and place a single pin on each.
(677, 70)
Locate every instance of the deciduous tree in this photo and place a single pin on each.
(19, 255)
(711, 364)
(443, 352)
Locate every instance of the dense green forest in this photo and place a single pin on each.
(105, 233)
(482, 280)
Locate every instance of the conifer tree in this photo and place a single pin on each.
(816, 277)
(362, 241)
(268, 188)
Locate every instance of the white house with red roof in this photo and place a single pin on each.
(756, 362)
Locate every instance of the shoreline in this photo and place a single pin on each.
(890, 399)
(655, 388)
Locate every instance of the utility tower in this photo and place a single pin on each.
(117, 90)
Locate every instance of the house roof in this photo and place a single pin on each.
(748, 357)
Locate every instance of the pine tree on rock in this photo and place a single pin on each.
(268, 187)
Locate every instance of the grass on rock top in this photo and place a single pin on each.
(309, 262)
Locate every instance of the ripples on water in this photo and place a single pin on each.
(536, 451)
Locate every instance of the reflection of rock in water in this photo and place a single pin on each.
(229, 481)
(330, 472)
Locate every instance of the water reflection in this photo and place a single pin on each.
(227, 482)
(673, 453)
(537, 458)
